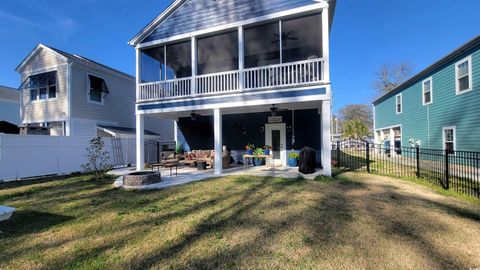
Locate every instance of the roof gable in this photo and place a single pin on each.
(192, 15)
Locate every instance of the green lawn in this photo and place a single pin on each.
(356, 221)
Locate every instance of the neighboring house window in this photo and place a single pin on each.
(427, 91)
(449, 139)
(398, 103)
(42, 86)
(463, 75)
(97, 89)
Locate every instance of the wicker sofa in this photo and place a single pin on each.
(205, 155)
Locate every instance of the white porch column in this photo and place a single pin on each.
(139, 139)
(217, 126)
(241, 57)
(175, 131)
(194, 66)
(326, 45)
(326, 137)
(392, 142)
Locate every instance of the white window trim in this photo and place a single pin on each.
(88, 90)
(454, 128)
(38, 100)
(431, 91)
(401, 103)
(470, 72)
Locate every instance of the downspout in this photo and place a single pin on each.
(428, 126)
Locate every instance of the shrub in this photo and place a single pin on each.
(97, 158)
(293, 155)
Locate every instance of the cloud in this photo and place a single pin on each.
(21, 20)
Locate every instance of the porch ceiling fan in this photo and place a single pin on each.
(285, 37)
(274, 109)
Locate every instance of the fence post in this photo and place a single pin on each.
(447, 176)
(367, 148)
(417, 151)
(158, 152)
(338, 153)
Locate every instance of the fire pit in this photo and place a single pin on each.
(142, 178)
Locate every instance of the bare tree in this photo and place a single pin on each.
(391, 76)
(359, 112)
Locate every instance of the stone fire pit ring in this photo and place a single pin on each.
(142, 178)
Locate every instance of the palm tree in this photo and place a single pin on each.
(354, 129)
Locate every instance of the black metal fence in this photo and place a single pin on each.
(455, 170)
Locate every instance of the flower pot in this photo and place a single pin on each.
(250, 152)
(257, 162)
(266, 152)
(292, 162)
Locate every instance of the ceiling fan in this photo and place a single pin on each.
(285, 37)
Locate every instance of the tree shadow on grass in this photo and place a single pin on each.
(27, 222)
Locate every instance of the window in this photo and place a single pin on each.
(217, 53)
(427, 91)
(262, 46)
(463, 75)
(398, 103)
(97, 89)
(449, 139)
(42, 86)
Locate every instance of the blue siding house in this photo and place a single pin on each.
(437, 108)
(234, 72)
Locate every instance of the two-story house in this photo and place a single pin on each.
(70, 95)
(438, 107)
(9, 110)
(234, 72)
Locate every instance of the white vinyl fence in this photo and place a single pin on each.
(23, 156)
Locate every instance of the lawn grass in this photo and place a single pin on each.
(351, 221)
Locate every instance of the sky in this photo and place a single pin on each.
(365, 35)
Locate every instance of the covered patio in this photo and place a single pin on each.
(187, 175)
(286, 127)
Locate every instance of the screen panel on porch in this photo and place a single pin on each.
(217, 53)
(302, 38)
(177, 58)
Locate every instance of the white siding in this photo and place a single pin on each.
(119, 105)
(51, 110)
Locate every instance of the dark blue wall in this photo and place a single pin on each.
(199, 133)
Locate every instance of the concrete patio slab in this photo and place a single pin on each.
(187, 175)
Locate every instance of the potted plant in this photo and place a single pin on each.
(258, 160)
(293, 159)
(266, 149)
(249, 147)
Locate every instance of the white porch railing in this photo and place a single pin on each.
(274, 76)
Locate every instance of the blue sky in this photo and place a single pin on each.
(365, 35)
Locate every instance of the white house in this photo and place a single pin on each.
(233, 72)
(9, 109)
(71, 95)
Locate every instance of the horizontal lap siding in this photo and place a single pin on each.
(447, 109)
(119, 106)
(52, 110)
(197, 15)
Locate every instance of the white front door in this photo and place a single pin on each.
(275, 137)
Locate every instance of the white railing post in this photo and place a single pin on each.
(241, 58)
(193, 86)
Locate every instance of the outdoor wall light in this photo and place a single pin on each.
(244, 130)
(262, 129)
(289, 129)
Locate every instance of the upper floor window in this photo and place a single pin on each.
(285, 41)
(42, 86)
(172, 61)
(217, 53)
(463, 75)
(427, 91)
(398, 103)
(97, 88)
(449, 139)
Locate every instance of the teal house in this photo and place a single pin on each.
(439, 108)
